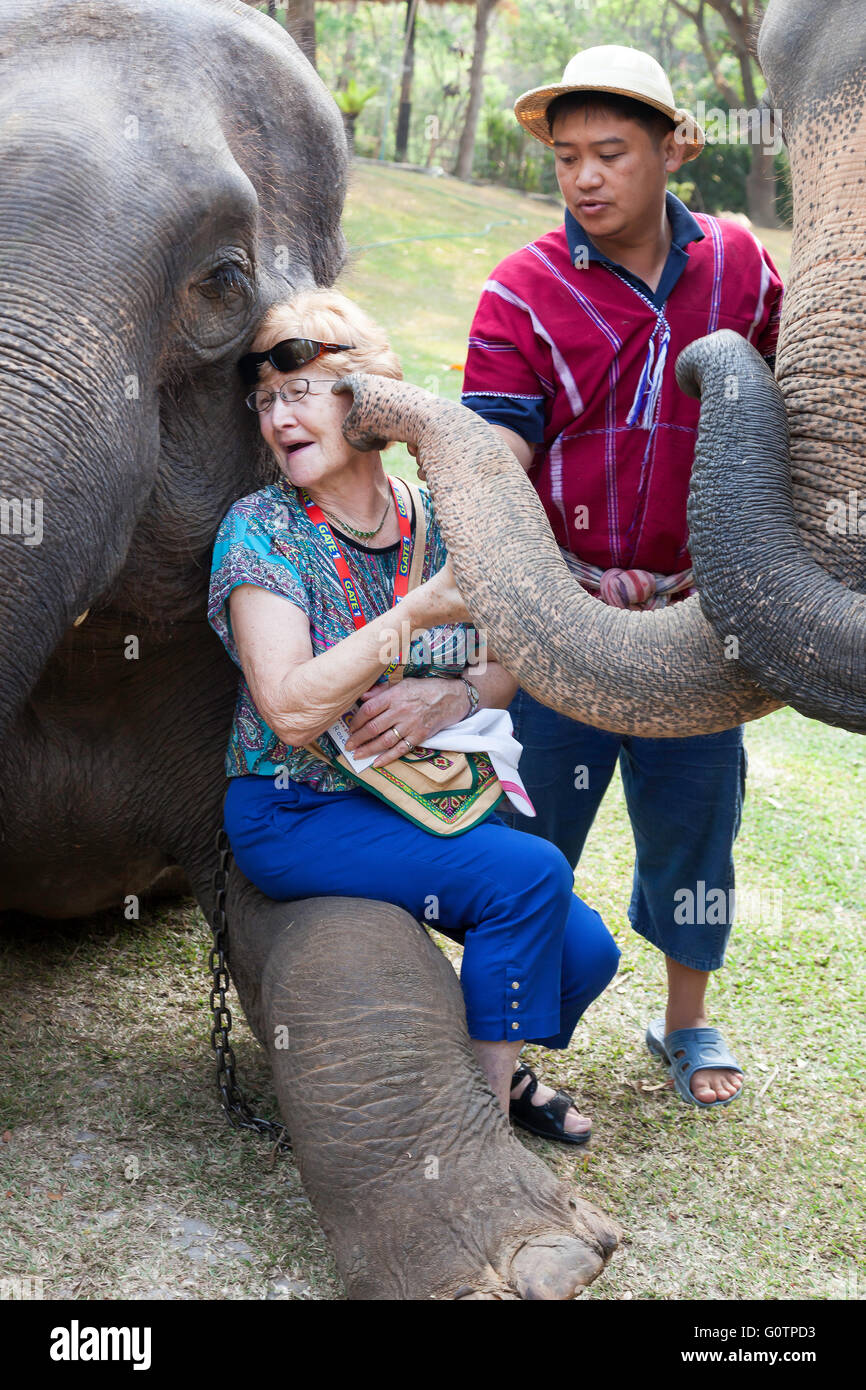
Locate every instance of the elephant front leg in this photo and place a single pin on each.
(410, 1163)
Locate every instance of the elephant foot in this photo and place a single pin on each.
(413, 1169)
(553, 1265)
(484, 1219)
(491, 1224)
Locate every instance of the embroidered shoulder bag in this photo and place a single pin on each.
(443, 792)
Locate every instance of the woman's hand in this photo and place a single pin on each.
(418, 706)
(422, 471)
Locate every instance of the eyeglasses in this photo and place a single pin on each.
(291, 392)
(287, 356)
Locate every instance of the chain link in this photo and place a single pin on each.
(232, 1099)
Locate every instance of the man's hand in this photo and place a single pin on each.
(418, 707)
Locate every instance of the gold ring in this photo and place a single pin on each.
(395, 730)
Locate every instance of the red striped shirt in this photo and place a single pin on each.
(570, 345)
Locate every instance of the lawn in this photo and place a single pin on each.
(119, 1176)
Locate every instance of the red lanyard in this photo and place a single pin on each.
(401, 579)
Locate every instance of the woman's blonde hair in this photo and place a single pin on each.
(330, 317)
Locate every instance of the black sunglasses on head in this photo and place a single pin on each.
(287, 356)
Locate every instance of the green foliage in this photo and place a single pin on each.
(719, 178)
(353, 100)
(360, 48)
(367, 41)
(684, 189)
(504, 155)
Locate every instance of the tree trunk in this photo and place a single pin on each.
(349, 119)
(405, 110)
(740, 23)
(349, 52)
(272, 9)
(761, 178)
(761, 187)
(466, 149)
(301, 24)
(441, 134)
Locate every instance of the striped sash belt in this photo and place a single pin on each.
(630, 588)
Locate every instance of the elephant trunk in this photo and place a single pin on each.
(657, 674)
(795, 628)
(67, 500)
(78, 425)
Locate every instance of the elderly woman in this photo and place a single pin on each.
(534, 955)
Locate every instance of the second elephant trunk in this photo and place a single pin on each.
(797, 629)
(660, 674)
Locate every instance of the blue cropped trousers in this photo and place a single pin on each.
(534, 955)
(685, 802)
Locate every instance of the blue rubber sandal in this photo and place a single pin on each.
(701, 1047)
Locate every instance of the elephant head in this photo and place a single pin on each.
(777, 529)
(159, 194)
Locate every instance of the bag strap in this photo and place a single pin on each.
(419, 551)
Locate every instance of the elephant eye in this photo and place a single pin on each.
(226, 279)
(218, 298)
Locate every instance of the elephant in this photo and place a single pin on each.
(188, 173)
(150, 217)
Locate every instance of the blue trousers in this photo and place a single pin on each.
(684, 799)
(534, 955)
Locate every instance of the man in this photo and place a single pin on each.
(571, 357)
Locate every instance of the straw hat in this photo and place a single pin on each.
(611, 68)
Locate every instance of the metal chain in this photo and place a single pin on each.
(238, 1112)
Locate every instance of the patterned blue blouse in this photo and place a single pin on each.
(268, 540)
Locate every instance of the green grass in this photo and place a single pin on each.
(105, 1025)
(105, 1030)
(420, 249)
(112, 1138)
(761, 1199)
(778, 242)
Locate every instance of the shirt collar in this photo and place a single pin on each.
(684, 229)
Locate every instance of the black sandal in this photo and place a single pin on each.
(547, 1120)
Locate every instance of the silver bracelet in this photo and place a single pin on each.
(474, 697)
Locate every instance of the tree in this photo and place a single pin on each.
(405, 108)
(350, 51)
(466, 148)
(351, 102)
(742, 20)
(301, 24)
